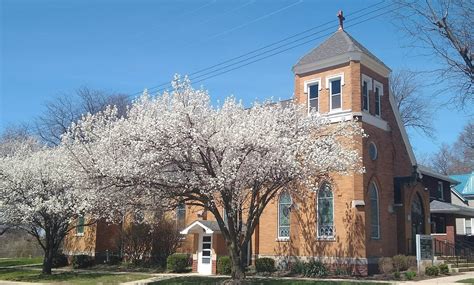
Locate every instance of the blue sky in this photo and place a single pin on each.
(52, 47)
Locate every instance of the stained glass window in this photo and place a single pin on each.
(284, 205)
(325, 212)
(374, 212)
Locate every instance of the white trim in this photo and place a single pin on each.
(380, 86)
(335, 76)
(338, 116)
(403, 131)
(306, 91)
(196, 223)
(472, 220)
(311, 82)
(460, 197)
(372, 64)
(205, 268)
(323, 259)
(73, 252)
(367, 79)
(335, 60)
(464, 226)
(282, 239)
(375, 121)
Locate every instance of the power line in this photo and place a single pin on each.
(167, 83)
(221, 67)
(276, 53)
(284, 45)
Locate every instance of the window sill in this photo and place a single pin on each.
(335, 111)
(326, 239)
(438, 234)
(282, 239)
(79, 235)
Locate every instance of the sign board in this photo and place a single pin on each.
(424, 248)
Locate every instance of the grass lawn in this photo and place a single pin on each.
(73, 278)
(470, 281)
(217, 280)
(20, 261)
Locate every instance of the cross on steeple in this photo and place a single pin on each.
(340, 15)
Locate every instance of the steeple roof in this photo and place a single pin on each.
(339, 44)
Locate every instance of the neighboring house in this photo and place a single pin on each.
(446, 205)
(356, 219)
(465, 189)
(101, 240)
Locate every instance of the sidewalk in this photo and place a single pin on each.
(448, 280)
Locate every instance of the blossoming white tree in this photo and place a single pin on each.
(178, 147)
(37, 195)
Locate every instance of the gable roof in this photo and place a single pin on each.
(466, 185)
(459, 195)
(340, 43)
(433, 173)
(438, 207)
(208, 227)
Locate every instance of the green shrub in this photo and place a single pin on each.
(411, 262)
(59, 260)
(396, 275)
(409, 275)
(224, 265)
(342, 272)
(265, 264)
(315, 269)
(177, 262)
(82, 261)
(297, 267)
(400, 262)
(443, 269)
(114, 260)
(385, 265)
(432, 270)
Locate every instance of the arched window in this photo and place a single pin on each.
(374, 211)
(284, 204)
(325, 211)
(181, 216)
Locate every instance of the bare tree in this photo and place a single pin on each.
(415, 110)
(442, 160)
(459, 157)
(443, 28)
(64, 110)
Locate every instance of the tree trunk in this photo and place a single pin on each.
(48, 260)
(237, 272)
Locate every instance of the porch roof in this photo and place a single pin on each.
(198, 226)
(438, 207)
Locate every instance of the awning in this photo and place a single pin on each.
(201, 226)
(438, 207)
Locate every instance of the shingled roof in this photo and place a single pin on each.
(338, 44)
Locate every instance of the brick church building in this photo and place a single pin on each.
(354, 220)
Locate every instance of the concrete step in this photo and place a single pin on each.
(465, 269)
(457, 261)
(470, 264)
